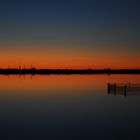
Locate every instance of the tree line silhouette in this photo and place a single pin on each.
(34, 71)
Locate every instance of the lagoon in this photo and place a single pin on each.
(68, 107)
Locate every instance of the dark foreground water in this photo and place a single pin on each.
(68, 107)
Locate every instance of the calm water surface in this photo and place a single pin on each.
(68, 107)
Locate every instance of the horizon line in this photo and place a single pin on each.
(34, 71)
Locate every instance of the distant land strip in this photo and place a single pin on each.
(34, 71)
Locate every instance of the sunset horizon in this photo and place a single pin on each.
(68, 57)
(69, 69)
(73, 34)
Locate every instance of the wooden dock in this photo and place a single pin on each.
(123, 89)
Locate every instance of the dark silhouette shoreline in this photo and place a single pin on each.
(34, 71)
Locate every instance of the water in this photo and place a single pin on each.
(67, 107)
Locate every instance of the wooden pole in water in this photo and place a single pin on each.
(125, 89)
(114, 89)
(108, 88)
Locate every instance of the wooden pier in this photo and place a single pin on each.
(123, 89)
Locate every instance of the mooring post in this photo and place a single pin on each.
(125, 89)
(108, 88)
(114, 89)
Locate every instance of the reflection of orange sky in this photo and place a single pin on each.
(42, 57)
(49, 83)
(46, 82)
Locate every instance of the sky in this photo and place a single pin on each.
(70, 33)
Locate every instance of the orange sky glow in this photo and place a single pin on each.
(60, 57)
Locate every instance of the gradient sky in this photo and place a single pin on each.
(70, 33)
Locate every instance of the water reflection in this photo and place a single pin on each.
(123, 89)
(67, 107)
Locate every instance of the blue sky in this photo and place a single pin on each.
(74, 20)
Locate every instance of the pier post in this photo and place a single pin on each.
(108, 88)
(125, 90)
(114, 89)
